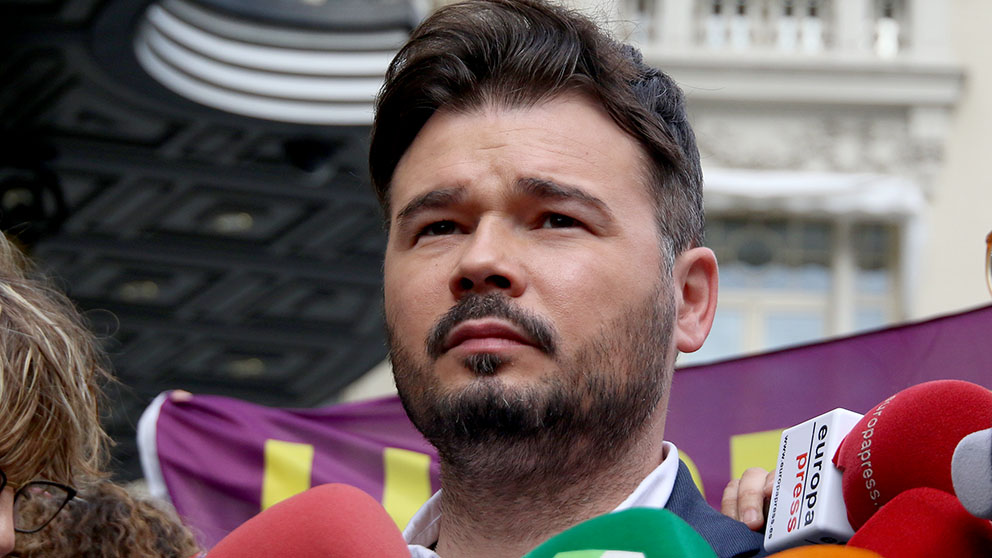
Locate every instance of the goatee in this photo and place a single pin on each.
(581, 415)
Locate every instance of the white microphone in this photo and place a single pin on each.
(971, 472)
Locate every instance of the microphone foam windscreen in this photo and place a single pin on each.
(636, 532)
(923, 523)
(907, 441)
(971, 470)
(326, 521)
(825, 551)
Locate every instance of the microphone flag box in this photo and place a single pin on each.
(807, 504)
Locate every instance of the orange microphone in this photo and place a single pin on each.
(825, 551)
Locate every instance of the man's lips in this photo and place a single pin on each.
(487, 323)
(485, 334)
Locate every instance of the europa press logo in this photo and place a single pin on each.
(807, 480)
(807, 501)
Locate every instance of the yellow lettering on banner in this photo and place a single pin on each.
(407, 485)
(757, 449)
(694, 471)
(287, 470)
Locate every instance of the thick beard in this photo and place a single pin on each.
(582, 417)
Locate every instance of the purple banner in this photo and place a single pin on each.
(215, 454)
(223, 460)
(712, 403)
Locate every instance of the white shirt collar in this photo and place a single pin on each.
(653, 492)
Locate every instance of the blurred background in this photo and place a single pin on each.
(193, 174)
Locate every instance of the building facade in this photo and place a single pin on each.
(834, 137)
(843, 145)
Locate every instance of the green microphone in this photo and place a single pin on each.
(632, 533)
(599, 554)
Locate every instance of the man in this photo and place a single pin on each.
(543, 196)
(50, 371)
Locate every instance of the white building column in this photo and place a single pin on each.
(844, 271)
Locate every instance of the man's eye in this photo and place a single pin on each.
(558, 221)
(438, 228)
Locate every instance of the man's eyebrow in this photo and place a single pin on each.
(549, 189)
(431, 200)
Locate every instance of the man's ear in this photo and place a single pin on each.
(696, 280)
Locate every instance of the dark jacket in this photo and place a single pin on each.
(729, 538)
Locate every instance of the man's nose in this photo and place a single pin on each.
(6, 521)
(490, 262)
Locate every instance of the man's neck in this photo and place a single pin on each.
(496, 513)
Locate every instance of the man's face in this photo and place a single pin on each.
(524, 263)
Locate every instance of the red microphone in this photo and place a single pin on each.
(908, 441)
(327, 521)
(922, 523)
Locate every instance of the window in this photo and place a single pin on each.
(791, 280)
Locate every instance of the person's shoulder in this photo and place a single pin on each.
(729, 538)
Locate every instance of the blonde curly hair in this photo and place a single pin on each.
(51, 374)
(108, 522)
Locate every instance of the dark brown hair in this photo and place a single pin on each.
(515, 53)
(108, 522)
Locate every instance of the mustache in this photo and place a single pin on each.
(474, 307)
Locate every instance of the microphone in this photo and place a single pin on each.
(825, 551)
(922, 523)
(904, 442)
(908, 441)
(807, 505)
(326, 521)
(971, 473)
(631, 533)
